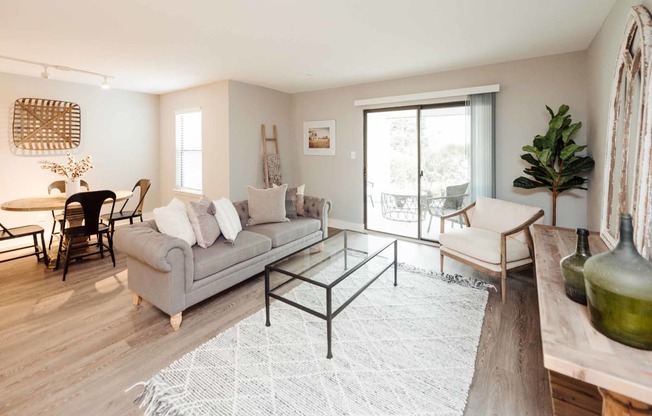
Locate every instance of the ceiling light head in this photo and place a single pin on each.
(45, 73)
(105, 84)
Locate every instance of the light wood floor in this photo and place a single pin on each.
(74, 347)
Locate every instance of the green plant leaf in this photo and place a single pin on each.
(552, 114)
(570, 131)
(563, 109)
(529, 159)
(570, 150)
(525, 183)
(579, 165)
(545, 155)
(575, 182)
(539, 142)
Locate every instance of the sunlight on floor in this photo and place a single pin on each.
(51, 303)
(111, 283)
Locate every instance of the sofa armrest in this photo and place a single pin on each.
(318, 208)
(143, 242)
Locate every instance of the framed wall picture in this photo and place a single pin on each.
(319, 138)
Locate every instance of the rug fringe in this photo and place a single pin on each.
(158, 400)
(449, 278)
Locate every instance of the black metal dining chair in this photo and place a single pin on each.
(143, 185)
(74, 239)
(21, 232)
(57, 217)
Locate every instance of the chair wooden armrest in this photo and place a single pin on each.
(462, 212)
(523, 226)
(530, 244)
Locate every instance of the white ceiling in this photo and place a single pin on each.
(158, 46)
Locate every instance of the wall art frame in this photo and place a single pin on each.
(319, 138)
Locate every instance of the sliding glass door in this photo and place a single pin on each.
(391, 152)
(417, 168)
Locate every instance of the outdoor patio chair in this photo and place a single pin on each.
(451, 202)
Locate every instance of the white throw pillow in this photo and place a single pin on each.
(227, 218)
(266, 205)
(173, 221)
(202, 218)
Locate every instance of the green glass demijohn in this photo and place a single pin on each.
(572, 268)
(619, 291)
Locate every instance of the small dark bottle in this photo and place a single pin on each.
(572, 268)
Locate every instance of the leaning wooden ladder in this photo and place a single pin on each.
(271, 158)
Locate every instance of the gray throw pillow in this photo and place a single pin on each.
(202, 218)
(291, 203)
(266, 205)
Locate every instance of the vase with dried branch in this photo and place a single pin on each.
(73, 170)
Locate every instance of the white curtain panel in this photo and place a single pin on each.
(483, 144)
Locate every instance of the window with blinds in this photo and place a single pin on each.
(188, 149)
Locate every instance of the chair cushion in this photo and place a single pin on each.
(483, 245)
(499, 216)
(283, 233)
(221, 254)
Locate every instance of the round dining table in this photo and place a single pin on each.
(52, 202)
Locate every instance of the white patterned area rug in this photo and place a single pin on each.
(405, 350)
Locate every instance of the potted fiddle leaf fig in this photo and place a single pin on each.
(554, 162)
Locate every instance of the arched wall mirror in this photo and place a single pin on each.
(628, 174)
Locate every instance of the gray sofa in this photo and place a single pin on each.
(173, 276)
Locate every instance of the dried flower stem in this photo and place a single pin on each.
(72, 170)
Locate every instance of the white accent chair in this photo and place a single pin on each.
(496, 239)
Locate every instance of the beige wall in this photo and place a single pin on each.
(249, 107)
(601, 59)
(213, 101)
(119, 131)
(232, 113)
(526, 87)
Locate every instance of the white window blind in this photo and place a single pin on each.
(188, 145)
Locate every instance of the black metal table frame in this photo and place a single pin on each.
(330, 314)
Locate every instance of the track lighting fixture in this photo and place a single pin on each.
(45, 74)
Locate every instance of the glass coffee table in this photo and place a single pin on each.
(326, 265)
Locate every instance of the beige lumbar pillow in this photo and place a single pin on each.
(266, 205)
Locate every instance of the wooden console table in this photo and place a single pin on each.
(589, 373)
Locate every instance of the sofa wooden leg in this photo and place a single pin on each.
(175, 321)
(441, 262)
(136, 299)
(503, 285)
(317, 248)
